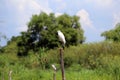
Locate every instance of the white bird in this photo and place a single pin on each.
(53, 66)
(61, 37)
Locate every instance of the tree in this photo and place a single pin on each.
(113, 34)
(42, 31)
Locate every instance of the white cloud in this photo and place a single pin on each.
(58, 5)
(61, 6)
(58, 0)
(58, 14)
(85, 20)
(22, 28)
(116, 18)
(33, 5)
(101, 3)
(25, 9)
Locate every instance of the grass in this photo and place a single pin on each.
(37, 74)
(95, 61)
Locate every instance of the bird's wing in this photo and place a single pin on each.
(61, 37)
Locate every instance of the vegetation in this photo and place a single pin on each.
(113, 35)
(42, 32)
(29, 56)
(93, 61)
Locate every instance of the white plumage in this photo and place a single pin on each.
(61, 37)
(53, 66)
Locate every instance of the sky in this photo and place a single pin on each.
(96, 16)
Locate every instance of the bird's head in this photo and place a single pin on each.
(58, 31)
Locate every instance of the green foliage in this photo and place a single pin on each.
(111, 66)
(94, 61)
(89, 56)
(42, 32)
(113, 34)
(68, 61)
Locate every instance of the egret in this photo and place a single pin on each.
(53, 66)
(61, 38)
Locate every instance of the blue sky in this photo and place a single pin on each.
(96, 16)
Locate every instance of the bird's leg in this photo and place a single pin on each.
(63, 46)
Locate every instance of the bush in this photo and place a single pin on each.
(100, 59)
(68, 62)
